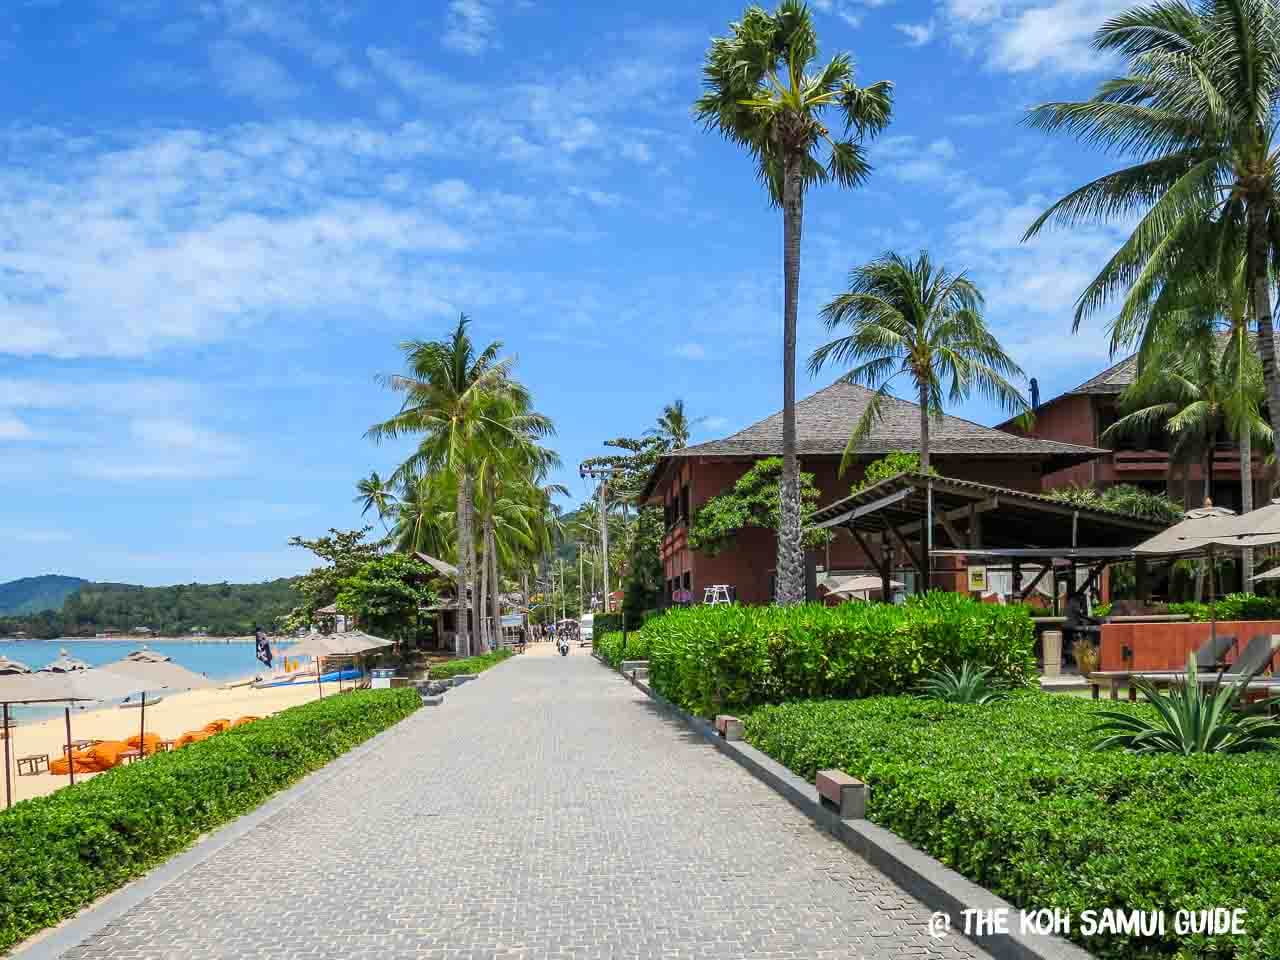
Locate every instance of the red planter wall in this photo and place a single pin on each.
(1164, 646)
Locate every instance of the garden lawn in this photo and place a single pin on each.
(1012, 796)
(61, 852)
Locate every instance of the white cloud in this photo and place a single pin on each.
(11, 428)
(469, 27)
(37, 536)
(167, 448)
(690, 351)
(917, 34)
(711, 424)
(1023, 35)
(600, 198)
(247, 73)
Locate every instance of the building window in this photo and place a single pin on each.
(684, 504)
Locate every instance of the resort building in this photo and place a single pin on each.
(1081, 416)
(686, 479)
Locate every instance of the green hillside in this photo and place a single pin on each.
(220, 609)
(35, 594)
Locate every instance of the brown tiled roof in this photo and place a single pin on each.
(1114, 379)
(825, 420)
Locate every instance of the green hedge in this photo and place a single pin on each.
(1234, 606)
(602, 623)
(477, 664)
(612, 649)
(60, 852)
(1012, 796)
(710, 659)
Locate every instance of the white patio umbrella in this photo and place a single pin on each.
(862, 584)
(347, 644)
(148, 670)
(1200, 531)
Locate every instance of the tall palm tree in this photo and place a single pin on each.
(761, 96)
(374, 493)
(1197, 109)
(674, 426)
(912, 318)
(425, 516)
(459, 402)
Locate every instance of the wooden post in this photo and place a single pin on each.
(8, 784)
(71, 763)
(1142, 581)
(142, 726)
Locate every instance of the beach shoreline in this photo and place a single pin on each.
(170, 717)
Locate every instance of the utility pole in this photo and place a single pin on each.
(581, 611)
(562, 613)
(605, 474)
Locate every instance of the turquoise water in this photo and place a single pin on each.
(217, 661)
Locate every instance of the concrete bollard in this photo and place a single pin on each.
(1051, 640)
(842, 793)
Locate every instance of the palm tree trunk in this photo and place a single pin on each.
(1246, 502)
(484, 584)
(495, 604)
(790, 574)
(1260, 302)
(475, 569)
(924, 428)
(462, 643)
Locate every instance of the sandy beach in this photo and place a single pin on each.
(173, 716)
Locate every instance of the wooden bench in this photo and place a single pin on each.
(842, 793)
(33, 764)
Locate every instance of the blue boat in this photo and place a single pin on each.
(297, 679)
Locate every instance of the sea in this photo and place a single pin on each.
(216, 659)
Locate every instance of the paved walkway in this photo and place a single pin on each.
(545, 810)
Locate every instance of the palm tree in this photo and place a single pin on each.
(425, 517)
(674, 426)
(374, 493)
(911, 317)
(760, 95)
(1196, 108)
(460, 403)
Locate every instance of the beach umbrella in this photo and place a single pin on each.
(19, 684)
(82, 683)
(149, 670)
(1200, 531)
(350, 643)
(65, 664)
(1272, 574)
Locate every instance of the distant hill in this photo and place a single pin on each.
(36, 594)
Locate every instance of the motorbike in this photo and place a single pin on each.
(563, 644)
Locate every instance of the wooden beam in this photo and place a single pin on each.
(864, 509)
(911, 554)
(975, 528)
(871, 558)
(1039, 576)
(953, 515)
(952, 533)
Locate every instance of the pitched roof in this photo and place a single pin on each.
(1114, 379)
(825, 420)
(440, 566)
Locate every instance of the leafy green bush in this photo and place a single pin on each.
(1234, 606)
(614, 649)
(602, 623)
(969, 685)
(890, 465)
(712, 659)
(63, 851)
(476, 664)
(1014, 797)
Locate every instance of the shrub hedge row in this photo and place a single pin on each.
(62, 851)
(710, 659)
(477, 664)
(1234, 606)
(614, 650)
(1013, 797)
(602, 623)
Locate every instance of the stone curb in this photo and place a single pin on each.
(930, 881)
(53, 942)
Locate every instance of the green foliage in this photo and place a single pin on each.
(716, 659)
(344, 552)
(642, 583)
(60, 852)
(602, 623)
(890, 465)
(614, 650)
(1189, 718)
(37, 594)
(1015, 798)
(387, 593)
(1124, 497)
(477, 664)
(221, 609)
(971, 685)
(752, 502)
(1234, 606)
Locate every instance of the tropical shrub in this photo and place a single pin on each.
(609, 647)
(890, 465)
(752, 501)
(616, 647)
(1086, 654)
(476, 664)
(713, 659)
(602, 623)
(970, 685)
(1234, 606)
(1125, 498)
(60, 852)
(1189, 718)
(1015, 798)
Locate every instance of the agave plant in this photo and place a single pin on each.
(970, 685)
(1190, 718)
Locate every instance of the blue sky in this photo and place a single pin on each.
(218, 219)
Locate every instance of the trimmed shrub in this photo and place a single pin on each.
(1013, 796)
(613, 649)
(602, 623)
(60, 852)
(1234, 606)
(609, 647)
(477, 664)
(717, 659)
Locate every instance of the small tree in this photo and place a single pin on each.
(386, 593)
(753, 502)
(890, 465)
(345, 552)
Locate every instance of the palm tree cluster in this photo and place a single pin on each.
(475, 486)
